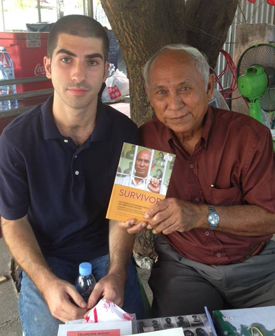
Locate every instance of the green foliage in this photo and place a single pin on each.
(24, 3)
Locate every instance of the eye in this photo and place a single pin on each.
(184, 88)
(65, 60)
(161, 92)
(92, 62)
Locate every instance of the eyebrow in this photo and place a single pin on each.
(188, 81)
(68, 52)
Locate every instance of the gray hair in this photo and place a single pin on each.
(199, 58)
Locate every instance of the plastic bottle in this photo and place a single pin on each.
(5, 105)
(85, 282)
(7, 63)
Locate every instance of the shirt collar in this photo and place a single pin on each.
(208, 120)
(102, 127)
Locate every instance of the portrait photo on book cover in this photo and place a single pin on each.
(144, 168)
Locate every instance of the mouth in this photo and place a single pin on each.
(77, 91)
(179, 119)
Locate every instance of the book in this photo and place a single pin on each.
(192, 325)
(142, 179)
(258, 321)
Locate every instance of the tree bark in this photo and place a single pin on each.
(143, 27)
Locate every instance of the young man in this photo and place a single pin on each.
(216, 224)
(57, 167)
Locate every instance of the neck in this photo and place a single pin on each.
(188, 143)
(78, 124)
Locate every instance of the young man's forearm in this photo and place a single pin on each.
(23, 245)
(121, 247)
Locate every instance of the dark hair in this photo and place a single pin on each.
(77, 25)
(161, 173)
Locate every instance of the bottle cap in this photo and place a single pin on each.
(85, 269)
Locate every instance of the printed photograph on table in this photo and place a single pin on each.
(192, 325)
(142, 178)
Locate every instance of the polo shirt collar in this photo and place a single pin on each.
(103, 124)
(50, 130)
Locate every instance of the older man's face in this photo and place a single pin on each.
(142, 163)
(177, 92)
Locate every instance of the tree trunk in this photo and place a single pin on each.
(143, 27)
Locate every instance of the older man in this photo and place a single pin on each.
(219, 215)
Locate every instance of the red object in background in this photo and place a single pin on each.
(252, 1)
(271, 2)
(27, 51)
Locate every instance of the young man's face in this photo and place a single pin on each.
(77, 70)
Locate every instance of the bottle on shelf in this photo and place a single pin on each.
(85, 282)
(7, 63)
(5, 105)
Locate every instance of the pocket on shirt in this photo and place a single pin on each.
(230, 196)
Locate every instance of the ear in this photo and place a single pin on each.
(106, 67)
(47, 66)
(146, 89)
(210, 86)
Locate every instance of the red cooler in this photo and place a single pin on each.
(27, 51)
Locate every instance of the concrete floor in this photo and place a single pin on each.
(9, 319)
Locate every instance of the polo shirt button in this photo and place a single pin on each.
(218, 255)
(197, 200)
(75, 157)
(76, 172)
(191, 166)
(65, 140)
(206, 233)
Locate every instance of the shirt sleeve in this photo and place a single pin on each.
(258, 180)
(14, 191)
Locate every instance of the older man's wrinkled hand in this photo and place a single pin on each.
(171, 215)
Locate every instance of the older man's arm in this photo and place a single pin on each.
(23, 245)
(172, 215)
(112, 286)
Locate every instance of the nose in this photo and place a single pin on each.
(78, 72)
(175, 101)
(142, 163)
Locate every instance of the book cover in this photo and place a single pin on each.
(142, 178)
(259, 321)
(192, 325)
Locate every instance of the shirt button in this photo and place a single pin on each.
(76, 172)
(75, 157)
(191, 166)
(66, 140)
(206, 233)
(197, 200)
(218, 255)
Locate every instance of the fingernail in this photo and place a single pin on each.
(149, 227)
(154, 232)
(146, 216)
(143, 225)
